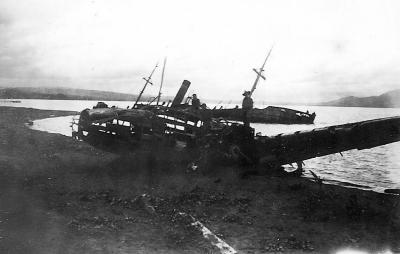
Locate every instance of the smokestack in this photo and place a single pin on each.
(181, 93)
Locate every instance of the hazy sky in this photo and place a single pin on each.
(322, 49)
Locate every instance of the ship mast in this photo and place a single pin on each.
(260, 73)
(162, 80)
(148, 81)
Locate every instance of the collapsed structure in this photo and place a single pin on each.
(233, 141)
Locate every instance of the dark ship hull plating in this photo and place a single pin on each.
(270, 114)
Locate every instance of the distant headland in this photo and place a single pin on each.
(50, 93)
(389, 99)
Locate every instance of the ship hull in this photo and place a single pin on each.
(277, 115)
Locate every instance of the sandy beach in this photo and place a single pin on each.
(60, 195)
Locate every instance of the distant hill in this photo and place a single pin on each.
(387, 100)
(64, 94)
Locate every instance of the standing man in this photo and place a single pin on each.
(195, 102)
(247, 105)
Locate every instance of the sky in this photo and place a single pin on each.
(322, 50)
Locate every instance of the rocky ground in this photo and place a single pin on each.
(59, 195)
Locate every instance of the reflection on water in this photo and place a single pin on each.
(378, 168)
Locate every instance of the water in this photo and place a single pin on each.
(71, 105)
(61, 125)
(377, 168)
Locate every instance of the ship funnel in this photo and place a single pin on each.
(181, 93)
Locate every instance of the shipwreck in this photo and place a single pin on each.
(227, 140)
(270, 114)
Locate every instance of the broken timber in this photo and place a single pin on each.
(303, 145)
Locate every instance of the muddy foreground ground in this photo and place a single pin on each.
(59, 195)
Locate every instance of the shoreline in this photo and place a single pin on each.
(84, 199)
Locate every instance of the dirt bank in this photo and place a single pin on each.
(59, 195)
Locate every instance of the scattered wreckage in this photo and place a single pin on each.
(232, 141)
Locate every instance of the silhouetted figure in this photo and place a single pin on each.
(313, 115)
(195, 102)
(247, 105)
(100, 104)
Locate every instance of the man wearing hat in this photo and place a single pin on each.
(247, 105)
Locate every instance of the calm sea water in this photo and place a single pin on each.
(377, 168)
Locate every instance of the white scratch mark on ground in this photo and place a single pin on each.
(215, 240)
